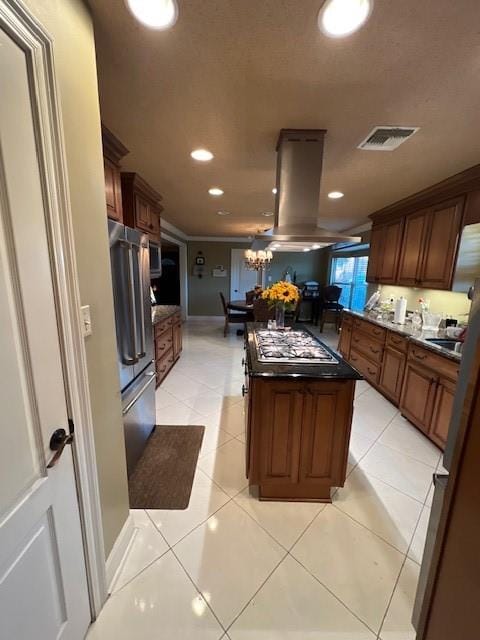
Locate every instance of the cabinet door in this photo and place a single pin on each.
(376, 253)
(418, 394)
(113, 190)
(392, 243)
(441, 245)
(411, 255)
(345, 340)
(281, 407)
(154, 224)
(142, 213)
(442, 412)
(325, 433)
(391, 376)
(177, 339)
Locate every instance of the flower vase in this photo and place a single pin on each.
(280, 315)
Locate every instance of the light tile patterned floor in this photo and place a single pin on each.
(230, 566)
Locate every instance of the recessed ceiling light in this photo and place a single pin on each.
(335, 195)
(157, 14)
(273, 249)
(223, 213)
(306, 249)
(267, 214)
(338, 18)
(315, 246)
(274, 191)
(202, 155)
(215, 191)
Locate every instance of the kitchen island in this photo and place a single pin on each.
(298, 411)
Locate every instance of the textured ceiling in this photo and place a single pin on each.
(231, 73)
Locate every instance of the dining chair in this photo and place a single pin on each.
(330, 308)
(261, 311)
(231, 318)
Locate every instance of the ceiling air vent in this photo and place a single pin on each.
(386, 138)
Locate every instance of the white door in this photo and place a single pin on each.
(43, 586)
(241, 278)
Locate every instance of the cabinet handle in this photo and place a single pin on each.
(372, 373)
(377, 332)
(419, 356)
(374, 350)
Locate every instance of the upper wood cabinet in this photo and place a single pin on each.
(411, 255)
(113, 152)
(385, 246)
(141, 205)
(441, 242)
(418, 250)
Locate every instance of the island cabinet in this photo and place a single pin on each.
(141, 205)
(297, 437)
(113, 152)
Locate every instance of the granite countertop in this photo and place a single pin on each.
(339, 371)
(162, 311)
(418, 336)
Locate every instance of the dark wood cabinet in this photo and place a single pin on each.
(419, 249)
(442, 411)
(298, 436)
(141, 205)
(177, 337)
(418, 394)
(385, 247)
(168, 343)
(113, 152)
(345, 338)
(411, 255)
(441, 242)
(391, 376)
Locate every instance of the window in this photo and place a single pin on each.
(349, 273)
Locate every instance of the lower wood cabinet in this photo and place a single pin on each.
(297, 437)
(418, 395)
(392, 372)
(419, 381)
(168, 344)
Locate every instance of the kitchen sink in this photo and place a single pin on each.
(446, 343)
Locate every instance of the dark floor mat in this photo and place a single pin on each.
(164, 474)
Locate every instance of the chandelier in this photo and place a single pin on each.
(257, 260)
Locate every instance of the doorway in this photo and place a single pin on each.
(241, 279)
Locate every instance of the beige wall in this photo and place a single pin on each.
(203, 298)
(69, 25)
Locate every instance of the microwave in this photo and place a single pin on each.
(155, 260)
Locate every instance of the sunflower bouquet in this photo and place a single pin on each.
(282, 294)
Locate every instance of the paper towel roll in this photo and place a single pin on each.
(400, 311)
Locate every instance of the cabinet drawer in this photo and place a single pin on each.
(397, 341)
(163, 343)
(372, 330)
(370, 370)
(437, 363)
(163, 366)
(370, 347)
(163, 326)
(347, 319)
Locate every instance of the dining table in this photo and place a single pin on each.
(240, 305)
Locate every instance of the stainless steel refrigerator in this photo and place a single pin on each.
(129, 256)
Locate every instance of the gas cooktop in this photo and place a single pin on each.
(291, 347)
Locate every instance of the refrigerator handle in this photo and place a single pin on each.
(131, 306)
(142, 303)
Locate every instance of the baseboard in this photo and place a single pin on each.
(117, 554)
(190, 318)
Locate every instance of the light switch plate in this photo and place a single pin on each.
(87, 321)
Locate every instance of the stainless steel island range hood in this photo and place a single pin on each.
(299, 172)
